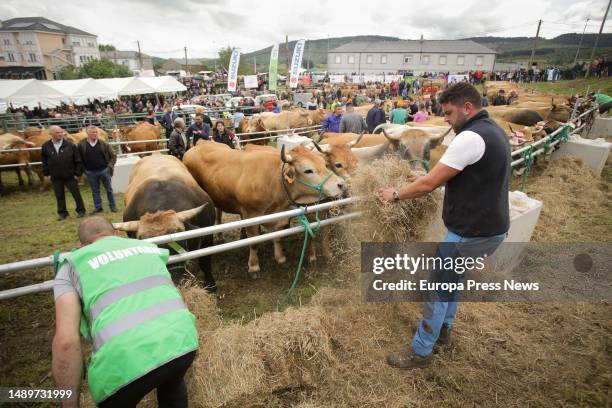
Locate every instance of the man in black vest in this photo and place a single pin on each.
(99, 161)
(62, 163)
(476, 170)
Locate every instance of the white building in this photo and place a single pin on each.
(140, 65)
(418, 56)
(36, 47)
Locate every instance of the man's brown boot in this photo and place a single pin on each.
(444, 338)
(407, 359)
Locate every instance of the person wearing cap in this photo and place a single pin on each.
(118, 294)
(375, 116)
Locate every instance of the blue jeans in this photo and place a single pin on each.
(438, 312)
(94, 178)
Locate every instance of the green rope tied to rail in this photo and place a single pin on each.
(563, 134)
(181, 266)
(308, 232)
(56, 262)
(528, 160)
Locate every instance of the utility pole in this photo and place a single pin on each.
(186, 67)
(287, 50)
(255, 64)
(588, 71)
(535, 43)
(580, 43)
(139, 54)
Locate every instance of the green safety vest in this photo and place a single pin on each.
(131, 312)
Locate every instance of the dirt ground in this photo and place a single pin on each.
(330, 351)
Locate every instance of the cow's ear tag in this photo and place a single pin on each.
(289, 175)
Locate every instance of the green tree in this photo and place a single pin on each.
(68, 72)
(106, 47)
(104, 68)
(225, 54)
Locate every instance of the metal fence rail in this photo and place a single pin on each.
(228, 246)
(200, 232)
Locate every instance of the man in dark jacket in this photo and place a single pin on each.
(198, 129)
(178, 142)
(375, 116)
(167, 121)
(99, 162)
(61, 162)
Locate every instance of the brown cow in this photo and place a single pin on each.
(259, 182)
(75, 138)
(10, 141)
(141, 131)
(268, 121)
(163, 198)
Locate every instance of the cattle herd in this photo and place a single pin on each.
(166, 195)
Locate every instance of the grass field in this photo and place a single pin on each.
(574, 86)
(568, 378)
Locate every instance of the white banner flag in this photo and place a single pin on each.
(250, 81)
(296, 62)
(232, 70)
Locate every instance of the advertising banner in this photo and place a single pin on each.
(232, 70)
(296, 62)
(273, 70)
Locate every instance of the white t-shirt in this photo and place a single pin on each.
(466, 148)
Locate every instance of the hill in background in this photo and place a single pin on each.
(558, 51)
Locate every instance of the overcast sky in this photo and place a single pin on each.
(164, 27)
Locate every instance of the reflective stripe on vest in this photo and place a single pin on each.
(134, 319)
(123, 291)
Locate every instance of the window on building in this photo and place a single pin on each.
(11, 57)
(383, 59)
(7, 41)
(32, 57)
(2, 58)
(369, 59)
(351, 59)
(479, 60)
(338, 59)
(407, 59)
(425, 59)
(29, 42)
(90, 44)
(76, 44)
(460, 60)
(81, 58)
(442, 60)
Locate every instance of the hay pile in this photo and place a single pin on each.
(403, 221)
(244, 365)
(572, 200)
(332, 353)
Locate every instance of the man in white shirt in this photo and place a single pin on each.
(475, 170)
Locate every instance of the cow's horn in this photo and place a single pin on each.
(391, 138)
(126, 226)
(512, 130)
(188, 214)
(321, 148)
(286, 158)
(356, 141)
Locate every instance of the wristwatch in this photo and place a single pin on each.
(395, 195)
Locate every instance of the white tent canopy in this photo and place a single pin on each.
(127, 86)
(164, 84)
(78, 91)
(31, 92)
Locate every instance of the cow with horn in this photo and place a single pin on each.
(164, 198)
